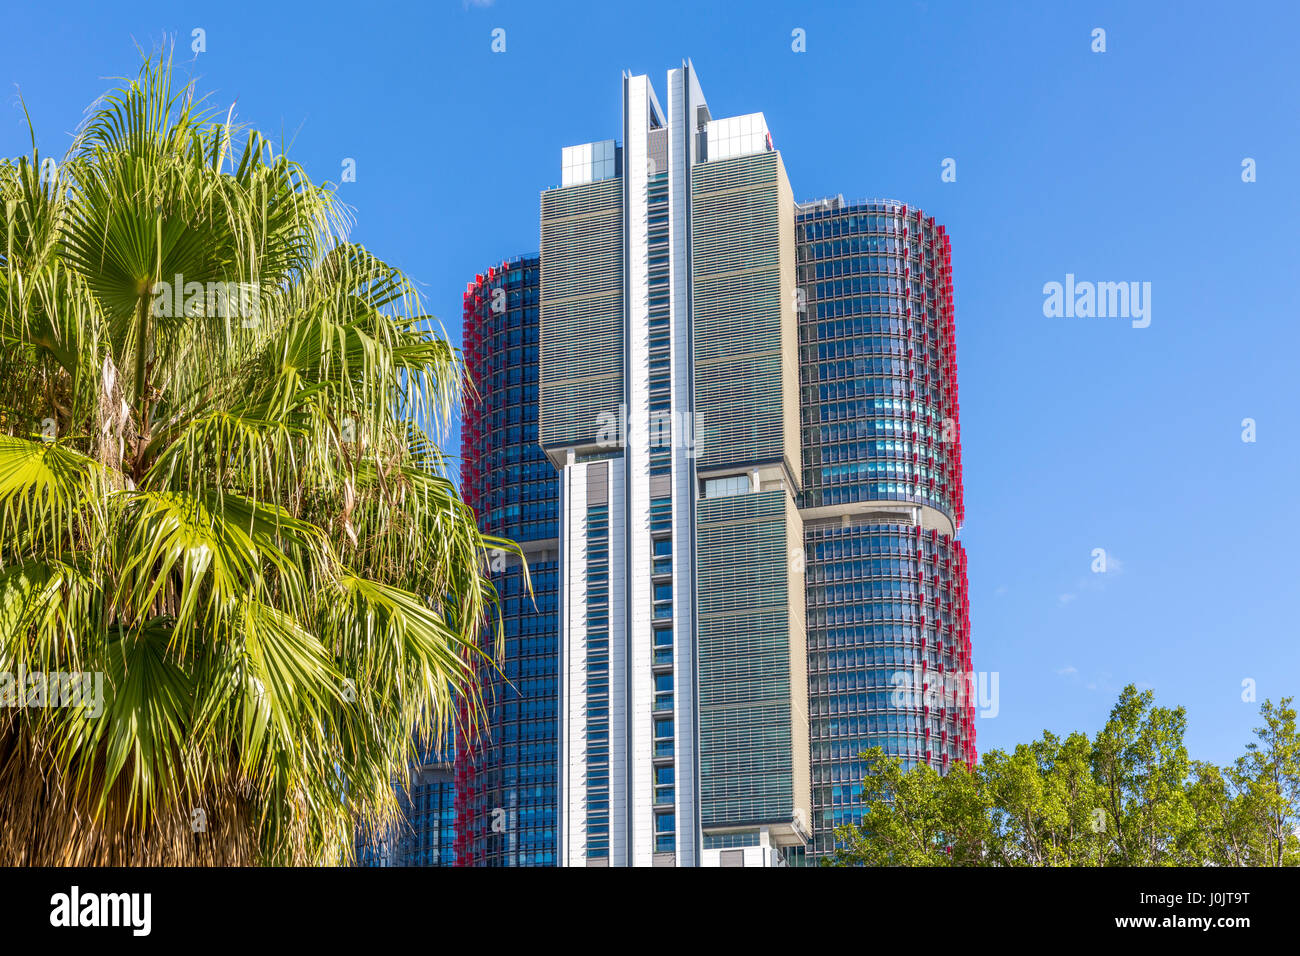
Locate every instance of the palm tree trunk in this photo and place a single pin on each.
(141, 384)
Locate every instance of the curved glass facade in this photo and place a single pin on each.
(888, 617)
(506, 779)
(879, 362)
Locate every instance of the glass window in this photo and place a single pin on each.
(663, 556)
(723, 487)
(663, 649)
(663, 692)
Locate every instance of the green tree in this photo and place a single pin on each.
(1226, 829)
(915, 817)
(1268, 778)
(1140, 764)
(1130, 797)
(1043, 803)
(221, 496)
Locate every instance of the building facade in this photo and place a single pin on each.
(506, 797)
(889, 653)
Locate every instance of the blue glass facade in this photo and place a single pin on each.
(426, 834)
(597, 822)
(506, 778)
(888, 623)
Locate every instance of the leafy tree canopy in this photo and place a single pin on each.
(1127, 797)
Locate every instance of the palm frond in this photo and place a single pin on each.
(233, 507)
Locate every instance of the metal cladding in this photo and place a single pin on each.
(743, 288)
(582, 330)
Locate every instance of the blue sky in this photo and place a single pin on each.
(1078, 433)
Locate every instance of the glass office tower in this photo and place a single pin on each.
(889, 654)
(669, 405)
(506, 778)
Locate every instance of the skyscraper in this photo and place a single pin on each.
(669, 404)
(748, 570)
(506, 776)
(888, 617)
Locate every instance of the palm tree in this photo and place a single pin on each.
(217, 492)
